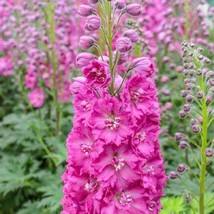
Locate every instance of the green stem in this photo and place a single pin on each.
(187, 12)
(109, 26)
(47, 151)
(203, 156)
(51, 34)
(203, 149)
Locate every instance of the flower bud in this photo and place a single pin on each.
(179, 136)
(189, 86)
(183, 145)
(83, 59)
(143, 66)
(93, 1)
(187, 107)
(119, 4)
(169, 105)
(132, 35)
(193, 121)
(92, 23)
(209, 99)
(172, 66)
(209, 152)
(200, 119)
(133, 9)
(86, 42)
(164, 79)
(181, 167)
(211, 82)
(199, 95)
(123, 44)
(184, 93)
(85, 10)
(165, 59)
(182, 114)
(179, 69)
(189, 98)
(199, 72)
(122, 58)
(196, 128)
(173, 175)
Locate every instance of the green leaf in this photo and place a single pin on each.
(173, 205)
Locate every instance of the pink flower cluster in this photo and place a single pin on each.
(165, 24)
(28, 46)
(114, 163)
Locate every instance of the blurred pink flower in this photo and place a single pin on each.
(37, 97)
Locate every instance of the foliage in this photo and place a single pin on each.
(31, 160)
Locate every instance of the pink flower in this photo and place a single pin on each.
(143, 66)
(110, 123)
(63, 92)
(93, 23)
(83, 192)
(123, 44)
(83, 59)
(6, 68)
(116, 166)
(145, 137)
(85, 10)
(134, 9)
(37, 97)
(139, 95)
(81, 148)
(31, 79)
(131, 200)
(86, 42)
(97, 73)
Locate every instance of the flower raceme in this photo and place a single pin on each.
(114, 163)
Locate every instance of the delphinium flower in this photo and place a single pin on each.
(6, 65)
(114, 164)
(169, 23)
(39, 41)
(198, 94)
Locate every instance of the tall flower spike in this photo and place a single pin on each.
(198, 87)
(114, 163)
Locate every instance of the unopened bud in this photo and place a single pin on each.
(183, 145)
(182, 114)
(187, 107)
(179, 136)
(193, 122)
(173, 175)
(181, 167)
(199, 95)
(196, 128)
(209, 152)
(189, 98)
(184, 93)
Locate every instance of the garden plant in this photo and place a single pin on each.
(106, 106)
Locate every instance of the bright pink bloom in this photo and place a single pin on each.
(110, 123)
(116, 166)
(37, 97)
(97, 73)
(131, 200)
(139, 95)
